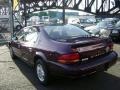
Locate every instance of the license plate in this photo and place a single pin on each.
(85, 59)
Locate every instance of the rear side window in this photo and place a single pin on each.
(65, 32)
(31, 37)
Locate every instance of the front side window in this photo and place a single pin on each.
(20, 35)
(106, 24)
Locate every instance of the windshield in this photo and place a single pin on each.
(101, 24)
(118, 24)
(106, 24)
(65, 32)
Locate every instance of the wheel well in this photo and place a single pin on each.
(36, 58)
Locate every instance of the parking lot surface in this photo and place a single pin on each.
(117, 48)
(16, 75)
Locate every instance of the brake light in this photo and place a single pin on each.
(69, 58)
(109, 47)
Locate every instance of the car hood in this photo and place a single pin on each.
(110, 28)
(90, 27)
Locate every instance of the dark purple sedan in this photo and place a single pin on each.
(64, 50)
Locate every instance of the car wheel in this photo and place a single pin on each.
(18, 27)
(42, 72)
(12, 53)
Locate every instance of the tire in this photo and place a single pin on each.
(18, 27)
(42, 72)
(13, 56)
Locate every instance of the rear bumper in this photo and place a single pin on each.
(99, 64)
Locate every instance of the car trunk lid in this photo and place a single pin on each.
(89, 48)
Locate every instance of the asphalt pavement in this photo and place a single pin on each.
(117, 49)
(16, 75)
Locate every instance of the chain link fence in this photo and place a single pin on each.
(5, 21)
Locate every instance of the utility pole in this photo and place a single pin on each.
(11, 17)
(64, 4)
(25, 11)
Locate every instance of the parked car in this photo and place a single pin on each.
(114, 20)
(63, 50)
(103, 28)
(34, 20)
(115, 34)
(85, 22)
(106, 28)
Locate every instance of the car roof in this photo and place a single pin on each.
(43, 25)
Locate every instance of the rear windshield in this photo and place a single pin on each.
(65, 32)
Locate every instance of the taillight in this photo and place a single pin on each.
(109, 47)
(69, 58)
